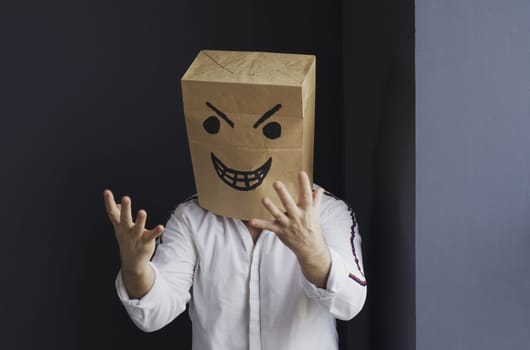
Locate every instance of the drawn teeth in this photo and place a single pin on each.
(241, 180)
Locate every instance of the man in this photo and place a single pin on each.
(266, 276)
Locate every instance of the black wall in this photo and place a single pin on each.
(90, 99)
(379, 165)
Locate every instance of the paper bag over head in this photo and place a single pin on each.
(250, 121)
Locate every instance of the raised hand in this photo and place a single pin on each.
(299, 228)
(137, 244)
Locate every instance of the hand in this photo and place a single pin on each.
(298, 228)
(137, 244)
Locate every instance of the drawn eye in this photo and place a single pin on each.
(211, 125)
(272, 130)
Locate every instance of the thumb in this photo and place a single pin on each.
(154, 233)
(317, 197)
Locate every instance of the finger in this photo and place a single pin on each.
(265, 225)
(306, 192)
(317, 197)
(125, 215)
(278, 215)
(111, 208)
(154, 233)
(286, 199)
(141, 219)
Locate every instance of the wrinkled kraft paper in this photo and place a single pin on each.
(250, 121)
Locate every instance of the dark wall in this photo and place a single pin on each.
(379, 163)
(473, 175)
(91, 100)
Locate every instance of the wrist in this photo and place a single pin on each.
(314, 256)
(138, 280)
(134, 268)
(316, 267)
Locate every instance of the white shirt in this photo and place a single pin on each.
(250, 296)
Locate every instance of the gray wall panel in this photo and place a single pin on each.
(473, 174)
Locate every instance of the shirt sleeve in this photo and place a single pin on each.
(345, 291)
(173, 265)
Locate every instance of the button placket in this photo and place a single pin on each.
(254, 299)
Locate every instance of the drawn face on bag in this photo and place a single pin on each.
(246, 130)
(242, 179)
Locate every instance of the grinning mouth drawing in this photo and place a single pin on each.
(241, 180)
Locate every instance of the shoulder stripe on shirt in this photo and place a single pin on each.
(190, 198)
(361, 281)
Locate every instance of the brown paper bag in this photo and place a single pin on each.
(250, 121)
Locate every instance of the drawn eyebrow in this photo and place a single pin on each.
(221, 114)
(267, 115)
